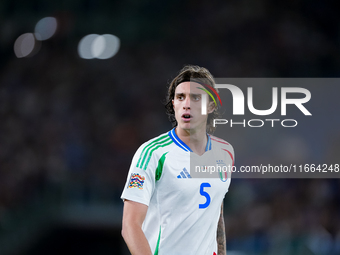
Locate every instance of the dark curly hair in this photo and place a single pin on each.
(191, 73)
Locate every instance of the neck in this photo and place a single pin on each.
(195, 139)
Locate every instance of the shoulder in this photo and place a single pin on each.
(222, 144)
(152, 150)
(160, 141)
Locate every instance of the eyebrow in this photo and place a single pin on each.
(179, 94)
(183, 94)
(196, 95)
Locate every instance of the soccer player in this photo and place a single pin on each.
(166, 210)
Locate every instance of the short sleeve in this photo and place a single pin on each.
(140, 181)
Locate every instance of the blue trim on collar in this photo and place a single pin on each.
(208, 147)
(178, 141)
(182, 145)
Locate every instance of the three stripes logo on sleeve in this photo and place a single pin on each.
(184, 174)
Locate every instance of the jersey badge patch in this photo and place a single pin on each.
(224, 172)
(136, 181)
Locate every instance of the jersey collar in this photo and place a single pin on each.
(182, 145)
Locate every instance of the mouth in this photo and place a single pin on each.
(186, 117)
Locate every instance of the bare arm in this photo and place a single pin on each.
(133, 218)
(221, 239)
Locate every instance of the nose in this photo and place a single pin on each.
(186, 105)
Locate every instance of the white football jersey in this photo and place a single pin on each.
(183, 211)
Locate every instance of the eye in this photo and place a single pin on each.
(196, 97)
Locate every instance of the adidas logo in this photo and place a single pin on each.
(184, 174)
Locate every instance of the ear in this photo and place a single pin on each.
(211, 107)
(173, 105)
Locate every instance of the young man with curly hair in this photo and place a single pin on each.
(166, 210)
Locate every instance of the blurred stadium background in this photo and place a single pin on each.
(69, 124)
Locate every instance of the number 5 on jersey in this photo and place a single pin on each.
(204, 194)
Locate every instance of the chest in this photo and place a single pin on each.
(185, 189)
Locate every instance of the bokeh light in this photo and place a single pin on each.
(25, 45)
(98, 46)
(112, 45)
(45, 28)
(84, 46)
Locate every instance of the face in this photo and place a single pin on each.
(187, 105)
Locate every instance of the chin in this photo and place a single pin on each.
(185, 126)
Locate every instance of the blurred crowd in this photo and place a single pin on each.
(284, 216)
(73, 124)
